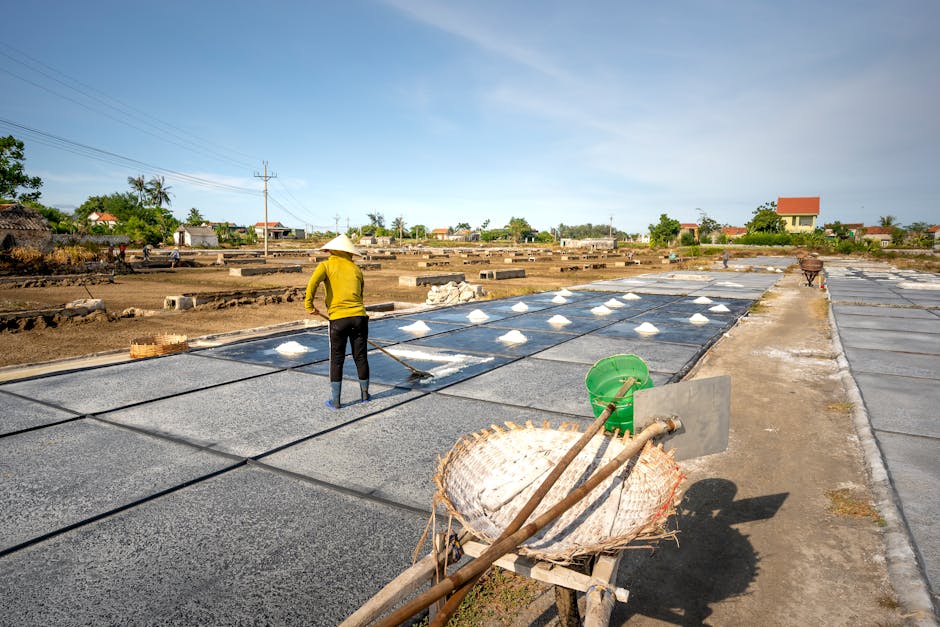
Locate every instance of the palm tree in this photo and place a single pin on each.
(139, 185)
(158, 192)
(887, 221)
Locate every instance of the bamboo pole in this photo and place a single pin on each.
(454, 601)
(498, 549)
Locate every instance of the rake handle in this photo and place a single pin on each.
(420, 373)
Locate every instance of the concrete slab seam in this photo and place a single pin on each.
(337, 488)
(287, 445)
(116, 510)
(164, 437)
(904, 567)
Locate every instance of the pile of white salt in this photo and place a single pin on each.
(513, 337)
(613, 303)
(600, 310)
(292, 348)
(698, 319)
(561, 300)
(646, 329)
(477, 315)
(520, 307)
(631, 296)
(719, 309)
(559, 321)
(703, 300)
(417, 327)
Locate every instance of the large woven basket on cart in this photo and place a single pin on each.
(488, 476)
(154, 345)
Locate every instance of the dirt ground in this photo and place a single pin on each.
(147, 290)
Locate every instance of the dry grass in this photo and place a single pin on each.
(848, 503)
(841, 408)
(497, 599)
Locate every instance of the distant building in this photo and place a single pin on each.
(881, 234)
(934, 232)
(22, 226)
(594, 243)
(688, 228)
(440, 234)
(384, 240)
(367, 240)
(104, 218)
(196, 236)
(276, 230)
(733, 232)
(799, 214)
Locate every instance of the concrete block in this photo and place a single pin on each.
(432, 264)
(254, 271)
(430, 279)
(178, 302)
(505, 273)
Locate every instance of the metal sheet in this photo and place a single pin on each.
(703, 406)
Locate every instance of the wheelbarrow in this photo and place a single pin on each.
(604, 493)
(811, 266)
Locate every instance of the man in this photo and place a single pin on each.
(346, 312)
(174, 257)
(724, 258)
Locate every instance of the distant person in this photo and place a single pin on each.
(346, 312)
(724, 258)
(122, 252)
(110, 252)
(174, 257)
(672, 256)
(146, 252)
(630, 255)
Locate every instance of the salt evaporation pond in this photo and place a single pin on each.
(416, 327)
(513, 337)
(520, 307)
(291, 348)
(450, 364)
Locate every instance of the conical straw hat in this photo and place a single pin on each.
(343, 243)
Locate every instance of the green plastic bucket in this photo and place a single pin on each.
(604, 380)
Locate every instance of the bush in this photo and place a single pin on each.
(766, 239)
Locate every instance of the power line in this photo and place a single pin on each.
(106, 156)
(180, 137)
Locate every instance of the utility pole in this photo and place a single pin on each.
(265, 178)
(336, 220)
(611, 232)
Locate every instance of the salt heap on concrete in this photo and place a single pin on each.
(631, 296)
(291, 348)
(646, 329)
(558, 321)
(613, 303)
(564, 292)
(719, 309)
(520, 306)
(703, 300)
(561, 300)
(453, 292)
(600, 310)
(698, 319)
(477, 315)
(513, 337)
(416, 327)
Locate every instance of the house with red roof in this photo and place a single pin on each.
(733, 232)
(934, 232)
(799, 214)
(688, 227)
(105, 218)
(276, 230)
(881, 234)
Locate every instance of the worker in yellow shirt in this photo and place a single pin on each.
(343, 281)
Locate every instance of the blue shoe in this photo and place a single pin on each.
(329, 405)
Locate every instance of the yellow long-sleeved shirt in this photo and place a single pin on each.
(343, 283)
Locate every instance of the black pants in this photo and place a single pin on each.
(356, 330)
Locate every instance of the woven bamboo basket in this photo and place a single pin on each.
(154, 345)
(488, 476)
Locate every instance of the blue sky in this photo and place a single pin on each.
(465, 111)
